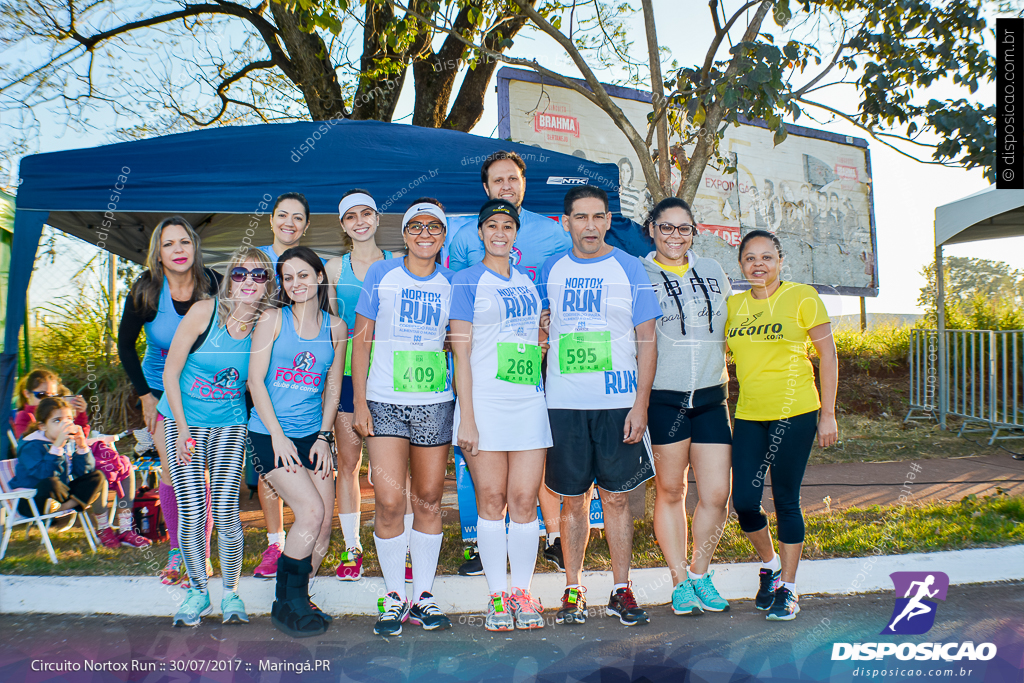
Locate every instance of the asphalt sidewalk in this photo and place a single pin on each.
(857, 484)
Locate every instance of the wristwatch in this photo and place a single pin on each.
(327, 436)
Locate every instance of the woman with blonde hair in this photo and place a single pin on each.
(205, 421)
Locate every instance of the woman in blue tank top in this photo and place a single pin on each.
(295, 375)
(205, 426)
(357, 212)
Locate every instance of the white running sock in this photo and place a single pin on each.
(275, 538)
(492, 543)
(522, 552)
(350, 529)
(124, 520)
(790, 586)
(391, 557)
(408, 528)
(618, 586)
(552, 537)
(102, 519)
(425, 549)
(774, 564)
(694, 577)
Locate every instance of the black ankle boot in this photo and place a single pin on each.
(291, 612)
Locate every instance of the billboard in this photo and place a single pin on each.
(813, 190)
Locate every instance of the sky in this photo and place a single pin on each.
(906, 192)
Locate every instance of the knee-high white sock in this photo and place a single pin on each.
(522, 552)
(124, 520)
(425, 549)
(350, 529)
(408, 528)
(391, 557)
(493, 546)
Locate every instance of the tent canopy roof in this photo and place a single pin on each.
(989, 214)
(221, 179)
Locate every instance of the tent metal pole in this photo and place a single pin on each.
(940, 315)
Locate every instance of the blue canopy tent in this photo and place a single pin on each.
(223, 179)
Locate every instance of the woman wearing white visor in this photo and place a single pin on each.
(404, 408)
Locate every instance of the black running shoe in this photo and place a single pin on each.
(623, 605)
(427, 614)
(574, 607)
(553, 554)
(785, 606)
(472, 566)
(766, 591)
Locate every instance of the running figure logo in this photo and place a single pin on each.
(914, 614)
(228, 377)
(304, 360)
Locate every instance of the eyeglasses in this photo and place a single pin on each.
(667, 229)
(418, 228)
(259, 275)
(43, 394)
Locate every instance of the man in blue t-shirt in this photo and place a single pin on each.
(503, 175)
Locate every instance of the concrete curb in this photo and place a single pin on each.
(146, 596)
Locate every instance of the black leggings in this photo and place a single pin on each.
(85, 489)
(783, 447)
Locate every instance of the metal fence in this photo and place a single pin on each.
(983, 382)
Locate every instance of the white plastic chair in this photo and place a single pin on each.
(10, 497)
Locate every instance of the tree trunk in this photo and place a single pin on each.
(377, 94)
(308, 55)
(434, 73)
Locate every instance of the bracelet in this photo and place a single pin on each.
(327, 436)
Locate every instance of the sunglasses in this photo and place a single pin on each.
(667, 229)
(259, 275)
(418, 228)
(43, 394)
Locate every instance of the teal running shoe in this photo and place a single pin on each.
(708, 595)
(232, 609)
(684, 600)
(196, 606)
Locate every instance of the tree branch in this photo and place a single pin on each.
(720, 34)
(224, 85)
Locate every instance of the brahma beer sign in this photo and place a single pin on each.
(813, 190)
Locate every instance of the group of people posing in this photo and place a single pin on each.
(553, 360)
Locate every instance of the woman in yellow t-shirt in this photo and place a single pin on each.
(777, 414)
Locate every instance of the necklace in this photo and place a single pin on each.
(243, 325)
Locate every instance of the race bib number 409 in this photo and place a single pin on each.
(419, 371)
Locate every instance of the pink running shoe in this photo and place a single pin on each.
(175, 570)
(131, 539)
(268, 564)
(109, 538)
(408, 567)
(351, 566)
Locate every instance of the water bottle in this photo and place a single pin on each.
(145, 521)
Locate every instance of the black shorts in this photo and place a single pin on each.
(263, 451)
(346, 403)
(670, 421)
(588, 448)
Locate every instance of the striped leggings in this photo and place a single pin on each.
(223, 450)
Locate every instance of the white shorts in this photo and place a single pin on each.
(509, 424)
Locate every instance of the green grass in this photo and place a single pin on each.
(855, 532)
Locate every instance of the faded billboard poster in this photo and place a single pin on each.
(814, 193)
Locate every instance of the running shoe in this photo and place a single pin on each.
(574, 607)
(196, 606)
(525, 609)
(498, 617)
(553, 554)
(623, 605)
(130, 539)
(472, 566)
(427, 614)
(175, 570)
(109, 538)
(267, 568)
(408, 567)
(708, 595)
(351, 566)
(769, 580)
(785, 607)
(232, 609)
(684, 600)
(393, 611)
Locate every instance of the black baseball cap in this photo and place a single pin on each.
(498, 206)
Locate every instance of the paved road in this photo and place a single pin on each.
(731, 647)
